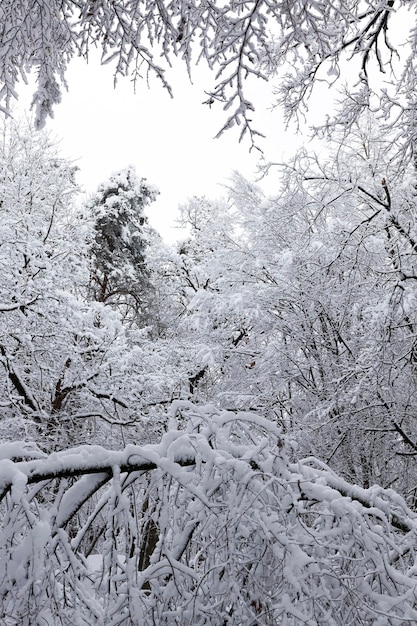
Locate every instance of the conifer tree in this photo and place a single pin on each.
(119, 275)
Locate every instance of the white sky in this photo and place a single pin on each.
(170, 141)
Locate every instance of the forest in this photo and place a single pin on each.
(221, 431)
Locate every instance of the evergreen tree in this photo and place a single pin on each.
(119, 275)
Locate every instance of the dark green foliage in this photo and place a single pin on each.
(119, 275)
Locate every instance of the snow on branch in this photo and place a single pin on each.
(215, 524)
(301, 43)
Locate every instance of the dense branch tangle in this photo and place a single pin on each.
(245, 38)
(214, 521)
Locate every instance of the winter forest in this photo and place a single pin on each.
(223, 431)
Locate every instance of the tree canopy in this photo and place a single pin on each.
(299, 44)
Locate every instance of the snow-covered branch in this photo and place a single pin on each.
(302, 43)
(212, 521)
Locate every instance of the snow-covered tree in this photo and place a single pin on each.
(68, 371)
(38, 269)
(350, 338)
(301, 306)
(121, 234)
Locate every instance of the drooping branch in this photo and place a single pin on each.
(102, 465)
(226, 525)
(47, 471)
(251, 38)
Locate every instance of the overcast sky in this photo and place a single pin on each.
(170, 141)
